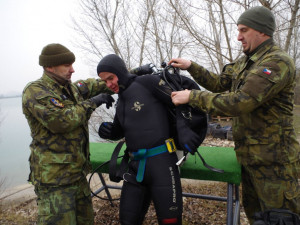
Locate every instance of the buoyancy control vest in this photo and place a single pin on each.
(171, 80)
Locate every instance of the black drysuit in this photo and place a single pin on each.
(143, 118)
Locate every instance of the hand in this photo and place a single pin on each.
(103, 98)
(105, 130)
(180, 63)
(180, 97)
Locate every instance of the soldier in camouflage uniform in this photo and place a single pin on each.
(57, 112)
(260, 100)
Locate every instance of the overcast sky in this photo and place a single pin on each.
(26, 27)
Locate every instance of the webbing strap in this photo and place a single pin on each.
(142, 155)
(116, 174)
(141, 170)
(145, 153)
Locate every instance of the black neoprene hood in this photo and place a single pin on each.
(114, 64)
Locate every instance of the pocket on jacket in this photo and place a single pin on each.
(55, 168)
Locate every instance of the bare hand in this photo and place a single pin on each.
(180, 97)
(180, 63)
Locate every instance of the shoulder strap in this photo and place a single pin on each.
(115, 173)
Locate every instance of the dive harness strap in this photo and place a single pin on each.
(115, 174)
(208, 166)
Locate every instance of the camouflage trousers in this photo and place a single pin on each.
(63, 205)
(270, 187)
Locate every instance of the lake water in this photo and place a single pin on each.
(14, 143)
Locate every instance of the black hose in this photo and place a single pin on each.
(94, 171)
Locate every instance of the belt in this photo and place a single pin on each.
(142, 155)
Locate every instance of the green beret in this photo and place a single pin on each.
(55, 55)
(259, 18)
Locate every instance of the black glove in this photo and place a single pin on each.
(105, 130)
(188, 140)
(103, 98)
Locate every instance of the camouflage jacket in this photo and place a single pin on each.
(58, 119)
(259, 97)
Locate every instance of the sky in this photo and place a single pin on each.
(26, 27)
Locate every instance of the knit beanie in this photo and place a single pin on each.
(259, 18)
(56, 54)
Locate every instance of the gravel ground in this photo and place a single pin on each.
(195, 211)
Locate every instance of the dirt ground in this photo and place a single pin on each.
(195, 211)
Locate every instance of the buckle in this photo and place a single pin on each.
(170, 145)
(130, 155)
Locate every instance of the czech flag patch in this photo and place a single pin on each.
(266, 71)
(56, 102)
(79, 84)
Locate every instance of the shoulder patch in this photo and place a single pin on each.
(79, 84)
(56, 102)
(266, 71)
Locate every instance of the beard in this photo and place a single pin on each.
(247, 51)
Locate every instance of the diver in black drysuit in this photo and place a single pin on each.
(142, 117)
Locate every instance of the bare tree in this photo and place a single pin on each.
(149, 35)
(210, 26)
(101, 114)
(156, 30)
(144, 31)
(293, 25)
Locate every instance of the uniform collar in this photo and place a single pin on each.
(51, 82)
(55, 77)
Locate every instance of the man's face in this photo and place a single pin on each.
(250, 38)
(111, 81)
(63, 71)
